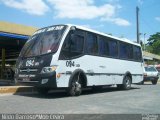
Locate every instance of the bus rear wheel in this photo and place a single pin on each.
(126, 84)
(75, 87)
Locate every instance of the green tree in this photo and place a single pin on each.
(154, 43)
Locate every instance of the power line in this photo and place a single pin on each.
(148, 25)
(154, 3)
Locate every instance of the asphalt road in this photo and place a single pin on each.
(141, 99)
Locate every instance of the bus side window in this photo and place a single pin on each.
(130, 52)
(137, 53)
(125, 51)
(103, 46)
(77, 45)
(113, 48)
(91, 45)
(73, 48)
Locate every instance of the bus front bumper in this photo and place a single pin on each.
(47, 80)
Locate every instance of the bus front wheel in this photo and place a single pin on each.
(75, 87)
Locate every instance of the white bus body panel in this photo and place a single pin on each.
(100, 70)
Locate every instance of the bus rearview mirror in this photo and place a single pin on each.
(73, 28)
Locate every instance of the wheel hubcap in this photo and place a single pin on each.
(76, 86)
(128, 83)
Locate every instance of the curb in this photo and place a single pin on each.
(20, 89)
(16, 89)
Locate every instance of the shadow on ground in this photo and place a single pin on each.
(145, 83)
(55, 94)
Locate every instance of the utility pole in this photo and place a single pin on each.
(137, 21)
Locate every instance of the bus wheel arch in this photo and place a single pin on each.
(127, 81)
(77, 81)
(128, 74)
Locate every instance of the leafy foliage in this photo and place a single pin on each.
(154, 43)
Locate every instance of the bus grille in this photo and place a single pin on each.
(28, 70)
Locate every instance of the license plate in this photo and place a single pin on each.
(26, 79)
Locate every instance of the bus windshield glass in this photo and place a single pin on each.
(43, 41)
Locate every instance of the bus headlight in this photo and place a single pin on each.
(49, 69)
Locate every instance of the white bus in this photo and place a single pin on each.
(73, 57)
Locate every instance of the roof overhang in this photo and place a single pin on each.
(12, 38)
(10, 35)
(16, 28)
(150, 56)
(147, 58)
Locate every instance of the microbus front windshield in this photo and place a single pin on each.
(43, 41)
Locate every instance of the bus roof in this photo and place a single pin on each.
(104, 34)
(97, 32)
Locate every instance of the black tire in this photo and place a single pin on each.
(154, 82)
(43, 91)
(75, 86)
(126, 84)
(142, 83)
(119, 86)
(96, 88)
